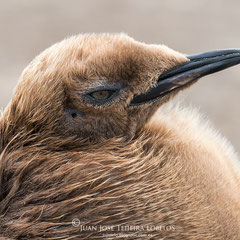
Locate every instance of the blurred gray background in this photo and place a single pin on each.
(27, 27)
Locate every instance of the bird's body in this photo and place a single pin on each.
(132, 172)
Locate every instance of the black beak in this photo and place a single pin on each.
(199, 65)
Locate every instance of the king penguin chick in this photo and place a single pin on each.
(90, 149)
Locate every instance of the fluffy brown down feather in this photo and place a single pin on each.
(114, 166)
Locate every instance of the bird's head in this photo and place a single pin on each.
(102, 86)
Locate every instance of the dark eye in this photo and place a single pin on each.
(102, 95)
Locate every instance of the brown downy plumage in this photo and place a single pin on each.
(80, 140)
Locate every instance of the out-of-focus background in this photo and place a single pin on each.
(27, 27)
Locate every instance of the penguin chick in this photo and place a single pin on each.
(89, 149)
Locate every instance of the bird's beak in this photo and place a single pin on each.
(199, 65)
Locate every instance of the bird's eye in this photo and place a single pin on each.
(102, 95)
